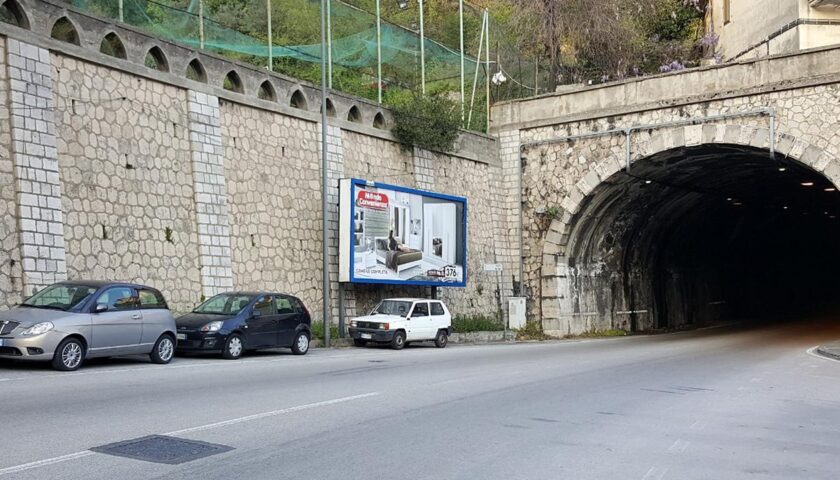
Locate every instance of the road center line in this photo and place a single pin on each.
(233, 421)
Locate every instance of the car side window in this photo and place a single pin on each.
(421, 309)
(284, 305)
(264, 305)
(150, 299)
(297, 305)
(118, 298)
(437, 308)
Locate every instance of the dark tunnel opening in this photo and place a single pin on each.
(702, 235)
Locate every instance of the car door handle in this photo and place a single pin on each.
(136, 316)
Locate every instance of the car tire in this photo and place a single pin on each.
(398, 342)
(234, 346)
(164, 350)
(69, 355)
(441, 339)
(359, 343)
(301, 344)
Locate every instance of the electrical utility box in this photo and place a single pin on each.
(516, 312)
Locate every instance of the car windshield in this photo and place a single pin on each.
(224, 304)
(60, 297)
(392, 307)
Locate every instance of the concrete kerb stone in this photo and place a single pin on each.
(830, 350)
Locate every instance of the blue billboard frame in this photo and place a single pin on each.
(354, 182)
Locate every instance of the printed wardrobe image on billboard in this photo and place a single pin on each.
(394, 234)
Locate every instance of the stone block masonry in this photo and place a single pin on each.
(210, 193)
(190, 188)
(36, 170)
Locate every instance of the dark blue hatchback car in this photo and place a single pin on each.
(232, 323)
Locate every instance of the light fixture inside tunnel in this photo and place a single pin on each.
(830, 189)
(807, 184)
(782, 169)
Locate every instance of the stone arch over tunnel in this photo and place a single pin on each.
(693, 235)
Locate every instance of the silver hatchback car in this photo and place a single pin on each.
(70, 321)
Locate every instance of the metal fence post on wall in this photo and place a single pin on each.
(270, 39)
(461, 29)
(201, 23)
(122, 15)
(378, 53)
(329, 44)
(422, 52)
(487, 71)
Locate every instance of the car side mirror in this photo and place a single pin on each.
(100, 307)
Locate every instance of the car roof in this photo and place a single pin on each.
(102, 283)
(254, 294)
(407, 299)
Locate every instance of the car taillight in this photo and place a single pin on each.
(385, 326)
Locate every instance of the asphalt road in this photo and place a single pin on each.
(725, 403)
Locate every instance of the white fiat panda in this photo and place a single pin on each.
(399, 321)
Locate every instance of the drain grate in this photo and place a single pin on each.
(162, 449)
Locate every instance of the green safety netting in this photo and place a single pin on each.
(240, 28)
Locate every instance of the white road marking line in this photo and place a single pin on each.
(679, 446)
(273, 413)
(698, 425)
(813, 352)
(43, 463)
(5, 379)
(655, 473)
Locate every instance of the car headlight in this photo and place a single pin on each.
(384, 326)
(354, 323)
(212, 326)
(39, 328)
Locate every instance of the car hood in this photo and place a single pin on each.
(379, 318)
(196, 320)
(28, 316)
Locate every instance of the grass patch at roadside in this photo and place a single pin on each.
(476, 323)
(318, 330)
(532, 331)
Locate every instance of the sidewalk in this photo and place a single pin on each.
(830, 350)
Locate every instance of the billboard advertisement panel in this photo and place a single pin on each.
(399, 235)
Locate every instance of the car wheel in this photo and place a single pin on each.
(234, 346)
(69, 355)
(398, 342)
(163, 351)
(359, 343)
(301, 344)
(441, 339)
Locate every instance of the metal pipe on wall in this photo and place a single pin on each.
(122, 15)
(325, 264)
(487, 71)
(329, 44)
(475, 77)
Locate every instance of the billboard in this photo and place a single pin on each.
(399, 235)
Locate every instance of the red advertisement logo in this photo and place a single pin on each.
(372, 200)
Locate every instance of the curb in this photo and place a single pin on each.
(470, 338)
(829, 352)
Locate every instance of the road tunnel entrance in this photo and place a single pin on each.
(700, 235)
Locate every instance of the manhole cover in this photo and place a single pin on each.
(162, 449)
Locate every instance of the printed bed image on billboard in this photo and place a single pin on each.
(392, 234)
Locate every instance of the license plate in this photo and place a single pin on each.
(366, 336)
(181, 336)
